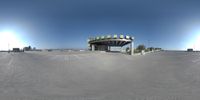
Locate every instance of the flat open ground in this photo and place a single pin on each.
(99, 76)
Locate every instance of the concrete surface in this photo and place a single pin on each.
(99, 76)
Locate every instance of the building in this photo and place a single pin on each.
(104, 43)
(16, 50)
(27, 48)
(190, 50)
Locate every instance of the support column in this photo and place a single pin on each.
(109, 48)
(121, 49)
(93, 48)
(132, 47)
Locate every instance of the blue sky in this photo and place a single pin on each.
(169, 24)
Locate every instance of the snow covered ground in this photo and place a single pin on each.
(99, 76)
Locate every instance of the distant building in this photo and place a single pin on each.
(49, 50)
(190, 50)
(27, 48)
(151, 48)
(16, 50)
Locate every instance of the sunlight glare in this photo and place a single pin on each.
(194, 43)
(9, 40)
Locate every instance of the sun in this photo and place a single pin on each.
(9, 40)
(197, 43)
(194, 43)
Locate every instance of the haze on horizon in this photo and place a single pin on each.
(169, 24)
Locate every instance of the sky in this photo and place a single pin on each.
(169, 24)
